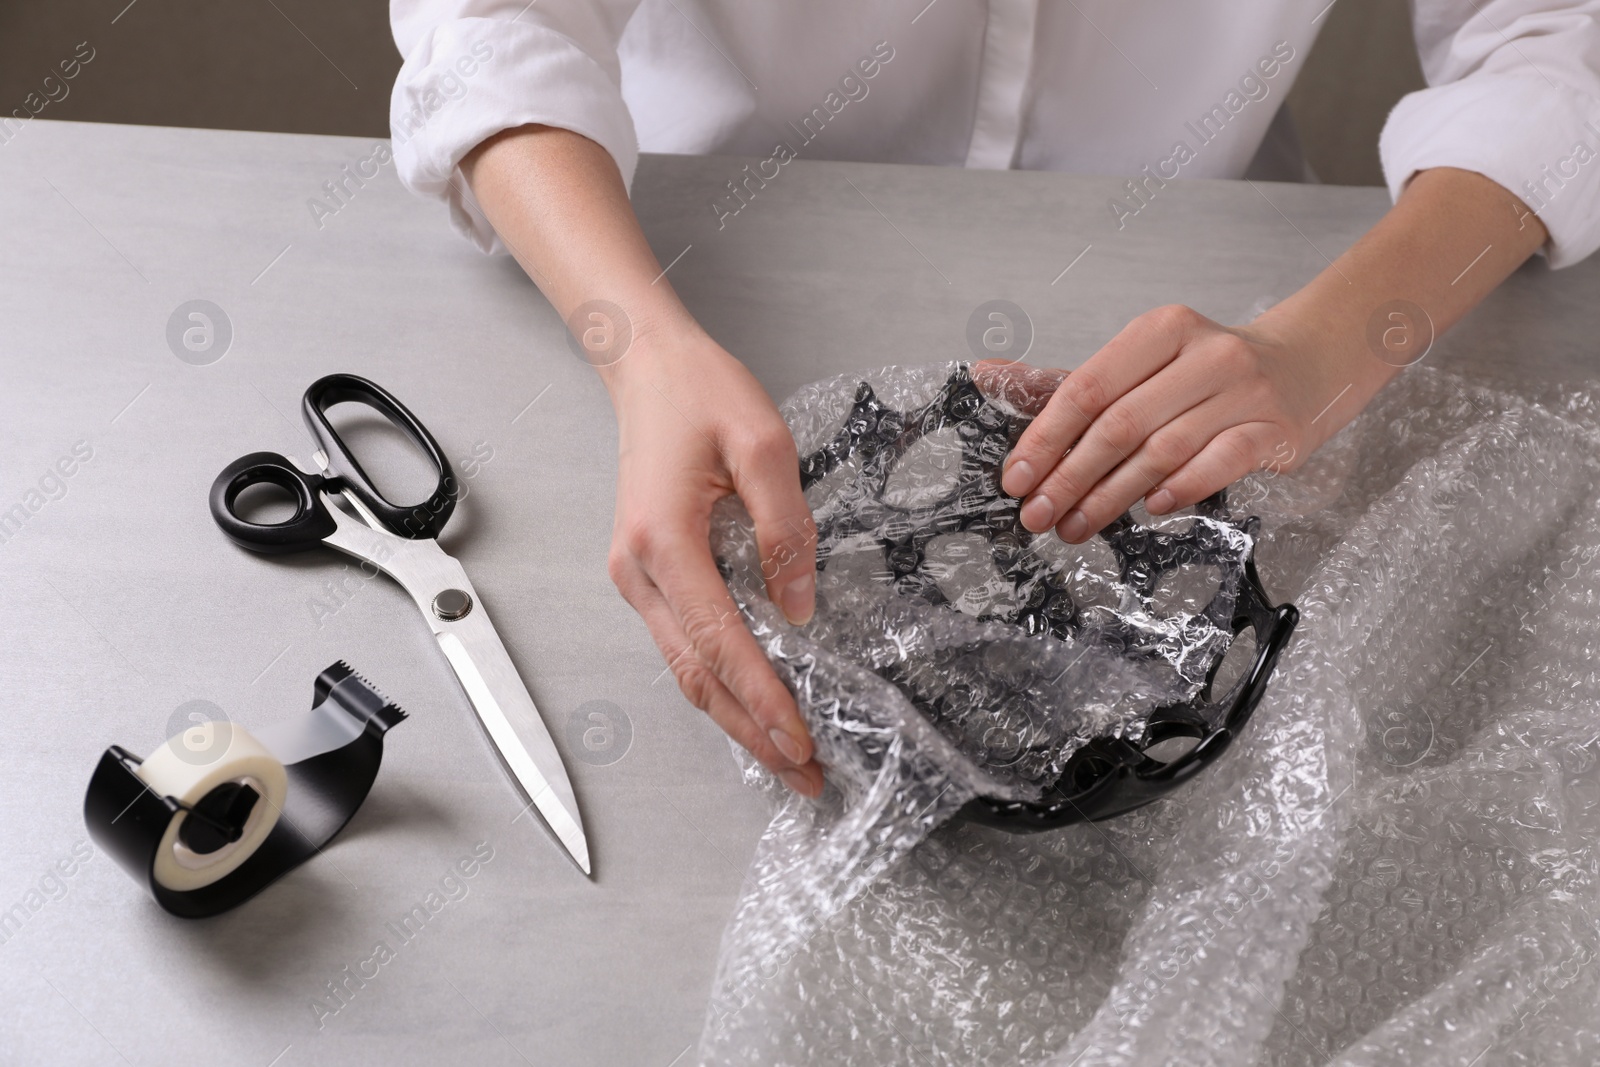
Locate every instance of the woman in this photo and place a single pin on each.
(540, 109)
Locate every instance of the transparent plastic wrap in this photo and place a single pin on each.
(1395, 863)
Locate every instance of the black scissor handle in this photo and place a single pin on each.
(415, 521)
(310, 523)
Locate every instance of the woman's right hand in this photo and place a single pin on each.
(695, 426)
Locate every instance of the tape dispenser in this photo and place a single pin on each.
(217, 813)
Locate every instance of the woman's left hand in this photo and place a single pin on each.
(1176, 406)
(1173, 409)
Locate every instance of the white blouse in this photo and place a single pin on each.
(1149, 89)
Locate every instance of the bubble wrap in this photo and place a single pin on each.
(1394, 864)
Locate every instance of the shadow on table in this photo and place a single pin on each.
(270, 939)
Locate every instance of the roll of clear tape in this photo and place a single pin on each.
(191, 766)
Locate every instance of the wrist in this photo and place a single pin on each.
(1325, 338)
(658, 350)
(627, 334)
(1332, 328)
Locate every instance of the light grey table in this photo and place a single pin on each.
(122, 601)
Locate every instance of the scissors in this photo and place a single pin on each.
(403, 542)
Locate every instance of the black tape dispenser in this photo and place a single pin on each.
(217, 814)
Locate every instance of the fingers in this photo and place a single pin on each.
(680, 565)
(1136, 438)
(768, 481)
(1229, 456)
(1024, 387)
(1166, 449)
(702, 687)
(1144, 346)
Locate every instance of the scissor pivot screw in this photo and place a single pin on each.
(452, 604)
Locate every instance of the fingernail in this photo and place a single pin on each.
(1038, 513)
(1075, 527)
(1159, 502)
(1018, 478)
(788, 746)
(798, 599)
(796, 781)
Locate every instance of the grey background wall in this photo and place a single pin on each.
(314, 66)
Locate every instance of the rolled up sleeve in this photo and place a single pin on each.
(475, 67)
(1513, 94)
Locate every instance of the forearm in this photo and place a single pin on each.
(1449, 240)
(557, 200)
(693, 426)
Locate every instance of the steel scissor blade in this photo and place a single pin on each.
(508, 714)
(483, 667)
